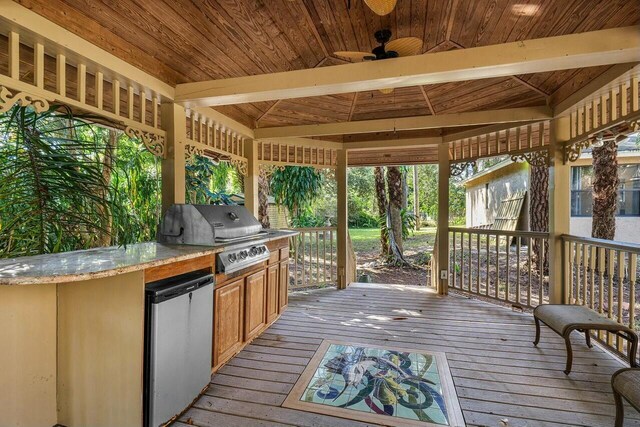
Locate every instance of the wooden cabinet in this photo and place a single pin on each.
(245, 303)
(255, 303)
(228, 321)
(283, 286)
(273, 274)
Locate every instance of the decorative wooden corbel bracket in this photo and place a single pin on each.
(538, 158)
(153, 142)
(23, 99)
(456, 169)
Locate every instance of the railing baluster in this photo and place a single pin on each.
(453, 261)
(529, 271)
(469, 262)
(610, 270)
(633, 278)
(592, 263)
(497, 283)
(478, 263)
(518, 268)
(462, 261)
(332, 259)
(486, 287)
(324, 257)
(601, 266)
(508, 245)
(585, 250)
(621, 258)
(577, 280)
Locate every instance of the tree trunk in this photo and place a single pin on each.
(539, 213)
(107, 170)
(605, 190)
(394, 185)
(263, 202)
(381, 198)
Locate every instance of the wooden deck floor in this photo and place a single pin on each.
(497, 372)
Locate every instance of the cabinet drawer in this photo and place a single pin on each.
(284, 253)
(274, 257)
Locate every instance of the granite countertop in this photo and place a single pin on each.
(105, 262)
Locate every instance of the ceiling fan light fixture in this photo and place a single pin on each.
(381, 7)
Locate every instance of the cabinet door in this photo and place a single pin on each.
(283, 286)
(255, 302)
(228, 309)
(273, 273)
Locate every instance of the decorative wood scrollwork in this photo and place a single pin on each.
(190, 151)
(572, 151)
(24, 99)
(241, 164)
(456, 169)
(153, 142)
(539, 158)
(268, 169)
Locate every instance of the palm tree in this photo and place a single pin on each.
(263, 201)
(539, 212)
(394, 214)
(605, 190)
(381, 199)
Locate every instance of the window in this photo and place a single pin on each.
(628, 192)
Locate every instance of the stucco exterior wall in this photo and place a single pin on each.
(627, 228)
(481, 211)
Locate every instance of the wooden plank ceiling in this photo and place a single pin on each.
(182, 41)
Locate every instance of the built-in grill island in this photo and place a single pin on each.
(209, 225)
(251, 277)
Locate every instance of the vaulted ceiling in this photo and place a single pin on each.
(183, 41)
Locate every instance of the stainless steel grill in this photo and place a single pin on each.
(209, 225)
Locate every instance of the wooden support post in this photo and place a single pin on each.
(173, 165)
(14, 55)
(443, 219)
(559, 208)
(342, 233)
(416, 201)
(251, 180)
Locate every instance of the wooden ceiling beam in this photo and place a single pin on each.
(392, 144)
(590, 49)
(409, 123)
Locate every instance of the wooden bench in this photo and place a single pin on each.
(625, 384)
(564, 319)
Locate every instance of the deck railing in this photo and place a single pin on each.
(313, 261)
(499, 265)
(603, 275)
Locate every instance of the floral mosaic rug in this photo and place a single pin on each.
(389, 386)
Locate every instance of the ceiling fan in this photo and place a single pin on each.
(379, 7)
(405, 46)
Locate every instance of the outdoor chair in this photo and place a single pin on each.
(564, 319)
(625, 384)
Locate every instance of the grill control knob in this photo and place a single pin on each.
(242, 254)
(253, 251)
(232, 257)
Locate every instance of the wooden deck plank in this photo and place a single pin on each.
(497, 372)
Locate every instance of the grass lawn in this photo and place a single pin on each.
(367, 240)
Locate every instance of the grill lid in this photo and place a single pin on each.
(204, 224)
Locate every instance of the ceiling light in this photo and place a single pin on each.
(386, 91)
(525, 9)
(381, 7)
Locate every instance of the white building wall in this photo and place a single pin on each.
(479, 212)
(627, 228)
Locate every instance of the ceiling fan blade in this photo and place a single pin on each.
(354, 56)
(381, 7)
(406, 46)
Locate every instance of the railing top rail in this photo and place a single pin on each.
(623, 246)
(491, 232)
(307, 229)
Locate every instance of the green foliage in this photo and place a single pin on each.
(136, 187)
(206, 181)
(408, 223)
(53, 195)
(306, 218)
(296, 187)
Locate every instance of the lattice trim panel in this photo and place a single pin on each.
(620, 103)
(208, 132)
(521, 139)
(290, 154)
(78, 83)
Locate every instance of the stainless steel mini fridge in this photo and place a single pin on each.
(178, 339)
